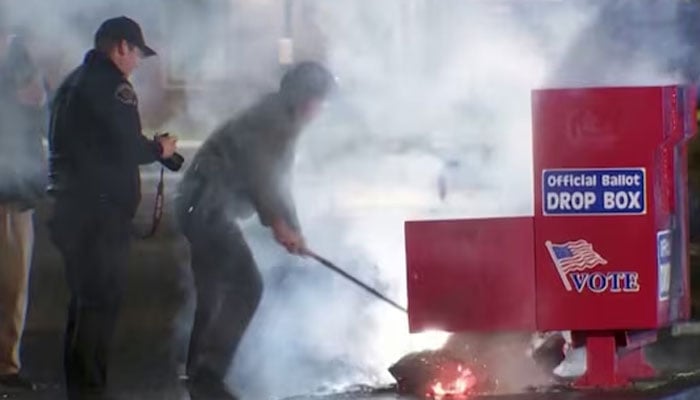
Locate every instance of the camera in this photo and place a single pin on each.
(174, 162)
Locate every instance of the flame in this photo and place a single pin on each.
(456, 386)
(428, 340)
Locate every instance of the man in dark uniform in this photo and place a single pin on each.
(242, 168)
(96, 146)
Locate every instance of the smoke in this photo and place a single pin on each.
(432, 121)
(631, 43)
(431, 94)
(423, 87)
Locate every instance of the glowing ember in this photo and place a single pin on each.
(458, 385)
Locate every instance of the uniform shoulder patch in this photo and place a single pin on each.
(125, 93)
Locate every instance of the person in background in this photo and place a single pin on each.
(23, 120)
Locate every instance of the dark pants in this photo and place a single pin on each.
(229, 288)
(94, 242)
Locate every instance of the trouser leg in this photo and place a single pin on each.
(95, 251)
(16, 244)
(229, 289)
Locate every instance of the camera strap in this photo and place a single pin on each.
(157, 208)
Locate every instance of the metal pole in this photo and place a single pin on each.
(354, 280)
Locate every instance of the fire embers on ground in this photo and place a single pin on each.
(472, 364)
(454, 380)
(439, 374)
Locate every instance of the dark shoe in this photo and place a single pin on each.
(205, 388)
(16, 381)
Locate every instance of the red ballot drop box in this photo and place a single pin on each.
(605, 254)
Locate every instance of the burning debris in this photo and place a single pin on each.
(460, 384)
(470, 364)
(439, 374)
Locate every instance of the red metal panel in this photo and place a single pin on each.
(592, 129)
(471, 275)
(626, 300)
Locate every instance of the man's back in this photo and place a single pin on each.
(244, 166)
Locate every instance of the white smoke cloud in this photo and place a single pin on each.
(430, 91)
(417, 91)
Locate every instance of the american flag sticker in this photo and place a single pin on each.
(573, 257)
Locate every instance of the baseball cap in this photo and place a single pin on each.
(307, 80)
(127, 29)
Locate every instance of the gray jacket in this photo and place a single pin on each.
(245, 167)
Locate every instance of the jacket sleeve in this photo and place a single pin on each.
(116, 104)
(267, 169)
(289, 211)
